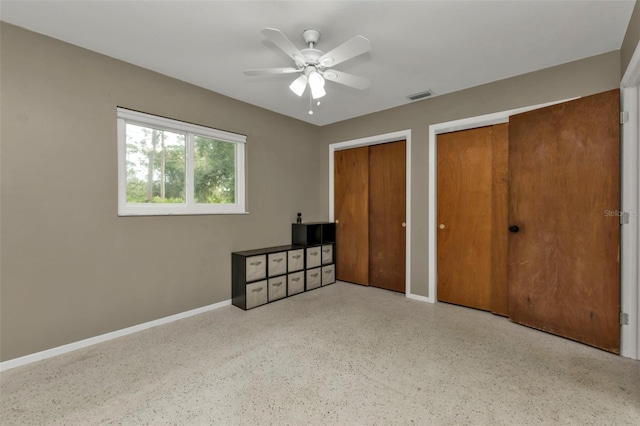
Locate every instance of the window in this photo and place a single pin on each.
(168, 167)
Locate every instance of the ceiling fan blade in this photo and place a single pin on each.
(347, 79)
(280, 40)
(271, 71)
(347, 50)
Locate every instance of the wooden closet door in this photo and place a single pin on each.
(387, 215)
(464, 217)
(351, 212)
(564, 271)
(473, 218)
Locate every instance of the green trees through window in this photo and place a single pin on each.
(214, 171)
(155, 165)
(156, 170)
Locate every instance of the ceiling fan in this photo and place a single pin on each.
(313, 65)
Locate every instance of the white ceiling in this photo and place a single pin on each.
(444, 46)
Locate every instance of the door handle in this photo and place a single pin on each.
(514, 228)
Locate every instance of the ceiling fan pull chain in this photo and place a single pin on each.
(310, 103)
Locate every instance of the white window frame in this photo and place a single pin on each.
(190, 130)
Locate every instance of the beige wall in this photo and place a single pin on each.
(71, 268)
(584, 77)
(631, 38)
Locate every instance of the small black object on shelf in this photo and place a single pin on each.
(299, 218)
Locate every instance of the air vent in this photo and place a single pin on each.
(420, 95)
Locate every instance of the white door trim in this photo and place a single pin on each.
(630, 160)
(375, 140)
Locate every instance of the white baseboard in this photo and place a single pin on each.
(38, 356)
(420, 298)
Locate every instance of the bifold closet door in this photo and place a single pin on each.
(351, 212)
(387, 227)
(369, 209)
(564, 176)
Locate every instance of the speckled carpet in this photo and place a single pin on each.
(342, 354)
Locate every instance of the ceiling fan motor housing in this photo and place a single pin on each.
(312, 55)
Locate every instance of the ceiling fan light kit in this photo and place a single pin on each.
(299, 85)
(316, 83)
(314, 64)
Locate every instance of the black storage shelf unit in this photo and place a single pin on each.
(265, 275)
(313, 233)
